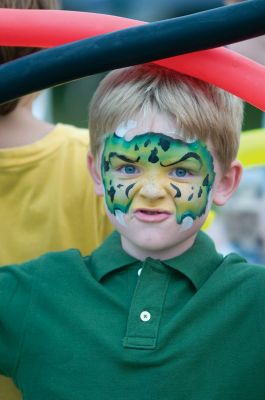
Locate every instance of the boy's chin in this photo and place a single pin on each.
(157, 245)
(157, 240)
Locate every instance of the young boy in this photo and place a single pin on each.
(155, 312)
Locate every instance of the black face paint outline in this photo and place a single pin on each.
(153, 156)
(111, 193)
(122, 157)
(187, 156)
(178, 192)
(164, 144)
(129, 187)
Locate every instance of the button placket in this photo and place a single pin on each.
(147, 306)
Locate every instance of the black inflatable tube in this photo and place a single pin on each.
(132, 46)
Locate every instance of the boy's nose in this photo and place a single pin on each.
(152, 190)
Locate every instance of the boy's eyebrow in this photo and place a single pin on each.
(123, 157)
(186, 156)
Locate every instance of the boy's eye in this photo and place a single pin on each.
(179, 172)
(128, 169)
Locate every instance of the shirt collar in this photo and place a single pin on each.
(197, 263)
(109, 257)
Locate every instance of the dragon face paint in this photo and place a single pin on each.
(135, 171)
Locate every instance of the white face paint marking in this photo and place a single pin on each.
(189, 140)
(180, 135)
(120, 217)
(186, 223)
(124, 127)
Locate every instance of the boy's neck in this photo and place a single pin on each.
(21, 128)
(165, 254)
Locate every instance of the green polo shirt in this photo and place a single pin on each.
(109, 326)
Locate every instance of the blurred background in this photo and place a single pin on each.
(69, 103)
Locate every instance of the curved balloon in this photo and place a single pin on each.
(55, 27)
(51, 28)
(142, 44)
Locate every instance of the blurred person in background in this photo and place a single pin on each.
(240, 225)
(46, 193)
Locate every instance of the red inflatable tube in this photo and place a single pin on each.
(226, 69)
(47, 28)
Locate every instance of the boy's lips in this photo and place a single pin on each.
(151, 215)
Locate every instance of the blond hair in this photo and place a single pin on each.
(12, 53)
(199, 108)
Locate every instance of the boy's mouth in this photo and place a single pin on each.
(151, 215)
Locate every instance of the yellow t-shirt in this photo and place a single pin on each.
(47, 203)
(47, 199)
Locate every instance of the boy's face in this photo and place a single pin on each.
(157, 186)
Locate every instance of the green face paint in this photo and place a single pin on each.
(184, 170)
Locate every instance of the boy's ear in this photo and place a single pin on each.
(227, 184)
(94, 169)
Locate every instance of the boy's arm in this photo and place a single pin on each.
(15, 293)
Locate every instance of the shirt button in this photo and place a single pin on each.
(139, 271)
(145, 316)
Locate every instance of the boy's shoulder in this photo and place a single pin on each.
(235, 272)
(239, 265)
(49, 264)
